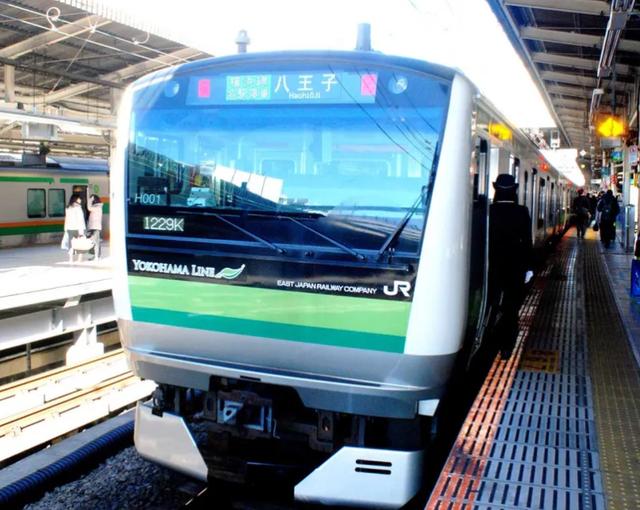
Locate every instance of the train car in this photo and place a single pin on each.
(300, 244)
(34, 197)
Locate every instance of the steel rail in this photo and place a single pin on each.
(65, 403)
(10, 389)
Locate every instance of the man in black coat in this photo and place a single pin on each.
(608, 210)
(510, 259)
(581, 205)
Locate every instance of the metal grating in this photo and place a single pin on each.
(616, 382)
(530, 439)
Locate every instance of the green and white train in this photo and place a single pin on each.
(34, 197)
(300, 241)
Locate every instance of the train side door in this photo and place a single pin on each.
(479, 268)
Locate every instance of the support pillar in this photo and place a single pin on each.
(115, 96)
(86, 343)
(9, 84)
(628, 208)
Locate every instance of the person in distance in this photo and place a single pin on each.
(608, 210)
(74, 225)
(580, 206)
(95, 224)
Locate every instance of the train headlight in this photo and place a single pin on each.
(171, 89)
(398, 84)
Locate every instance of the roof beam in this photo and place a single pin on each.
(577, 130)
(571, 103)
(579, 63)
(568, 111)
(557, 36)
(25, 95)
(581, 93)
(578, 133)
(572, 79)
(583, 81)
(575, 122)
(594, 7)
(49, 37)
(563, 90)
(64, 74)
(122, 74)
(565, 111)
(15, 115)
(574, 39)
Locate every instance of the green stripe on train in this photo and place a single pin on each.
(31, 229)
(343, 321)
(71, 180)
(322, 336)
(12, 178)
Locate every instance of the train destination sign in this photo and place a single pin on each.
(305, 87)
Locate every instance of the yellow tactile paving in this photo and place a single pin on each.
(616, 388)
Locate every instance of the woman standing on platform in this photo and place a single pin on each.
(74, 225)
(95, 223)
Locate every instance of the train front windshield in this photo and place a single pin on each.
(343, 157)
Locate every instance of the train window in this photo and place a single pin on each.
(515, 168)
(554, 203)
(57, 202)
(542, 202)
(36, 203)
(479, 168)
(494, 168)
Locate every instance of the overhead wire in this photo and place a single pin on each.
(71, 63)
(96, 30)
(103, 45)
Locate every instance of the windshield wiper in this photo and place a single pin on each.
(343, 247)
(291, 216)
(238, 227)
(251, 234)
(401, 226)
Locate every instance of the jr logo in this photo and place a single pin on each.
(398, 286)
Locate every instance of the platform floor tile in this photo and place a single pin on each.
(531, 439)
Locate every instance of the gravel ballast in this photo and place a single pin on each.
(123, 481)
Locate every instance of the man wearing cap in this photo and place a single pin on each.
(510, 259)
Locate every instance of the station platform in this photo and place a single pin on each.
(43, 273)
(43, 296)
(557, 426)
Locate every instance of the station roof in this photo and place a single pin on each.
(70, 63)
(583, 55)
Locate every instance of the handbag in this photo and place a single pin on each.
(64, 244)
(82, 244)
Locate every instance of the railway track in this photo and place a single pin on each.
(19, 363)
(39, 409)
